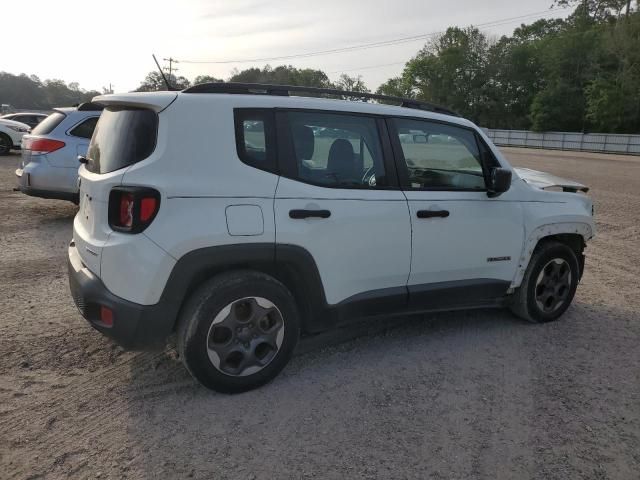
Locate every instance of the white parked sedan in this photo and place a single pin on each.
(11, 133)
(49, 164)
(30, 118)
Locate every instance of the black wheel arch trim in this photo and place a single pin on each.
(293, 265)
(296, 268)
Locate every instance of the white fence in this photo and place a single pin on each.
(587, 142)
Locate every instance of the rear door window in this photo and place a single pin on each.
(85, 129)
(123, 136)
(337, 150)
(49, 124)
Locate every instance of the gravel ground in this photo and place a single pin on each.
(460, 395)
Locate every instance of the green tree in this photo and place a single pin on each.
(206, 79)
(397, 87)
(352, 84)
(451, 71)
(282, 75)
(613, 96)
(154, 82)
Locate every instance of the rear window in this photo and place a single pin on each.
(123, 136)
(48, 124)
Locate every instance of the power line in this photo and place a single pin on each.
(364, 46)
(367, 67)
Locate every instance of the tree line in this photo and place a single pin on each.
(29, 92)
(578, 74)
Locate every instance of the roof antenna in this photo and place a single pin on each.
(169, 87)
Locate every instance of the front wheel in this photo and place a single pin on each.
(549, 283)
(238, 331)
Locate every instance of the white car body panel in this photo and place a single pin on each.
(364, 245)
(460, 246)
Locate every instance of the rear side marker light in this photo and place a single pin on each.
(148, 206)
(132, 209)
(39, 146)
(106, 316)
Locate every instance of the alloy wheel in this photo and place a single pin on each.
(553, 285)
(245, 336)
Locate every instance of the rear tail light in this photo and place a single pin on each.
(132, 209)
(39, 146)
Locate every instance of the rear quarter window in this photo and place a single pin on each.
(256, 138)
(123, 136)
(49, 124)
(84, 129)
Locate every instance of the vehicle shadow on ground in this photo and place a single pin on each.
(166, 404)
(430, 378)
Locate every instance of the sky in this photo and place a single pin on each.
(97, 42)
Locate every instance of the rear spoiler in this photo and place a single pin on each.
(156, 101)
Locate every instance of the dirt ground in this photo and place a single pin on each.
(450, 396)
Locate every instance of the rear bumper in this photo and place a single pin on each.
(134, 326)
(38, 179)
(50, 194)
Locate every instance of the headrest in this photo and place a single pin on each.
(303, 141)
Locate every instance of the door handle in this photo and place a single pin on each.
(433, 213)
(300, 214)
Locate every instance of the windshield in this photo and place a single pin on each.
(123, 136)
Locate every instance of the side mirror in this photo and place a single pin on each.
(499, 181)
(420, 139)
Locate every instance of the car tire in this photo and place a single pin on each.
(5, 144)
(237, 331)
(548, 285)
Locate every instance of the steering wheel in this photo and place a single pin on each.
(369, 177)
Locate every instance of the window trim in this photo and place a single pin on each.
(77, 124)
(271, 163)
(287, 158)
(403, 171)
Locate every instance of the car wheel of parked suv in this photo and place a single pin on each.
(549, 283)
(238, 330)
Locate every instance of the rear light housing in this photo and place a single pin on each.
(132, 209)
(39, 146)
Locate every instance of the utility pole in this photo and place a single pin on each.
(171, 62)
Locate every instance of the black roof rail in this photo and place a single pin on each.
(285, 90)
(90, 107)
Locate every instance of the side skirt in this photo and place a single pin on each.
(415, 299)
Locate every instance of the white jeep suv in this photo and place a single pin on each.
(241, 217)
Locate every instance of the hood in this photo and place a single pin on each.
(544, 180)
(13, 123)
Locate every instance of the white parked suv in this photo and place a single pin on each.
(241, 218)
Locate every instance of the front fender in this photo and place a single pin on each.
(585, 230)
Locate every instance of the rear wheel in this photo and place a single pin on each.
(549, 283)
(5, 144)
(238, 331)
